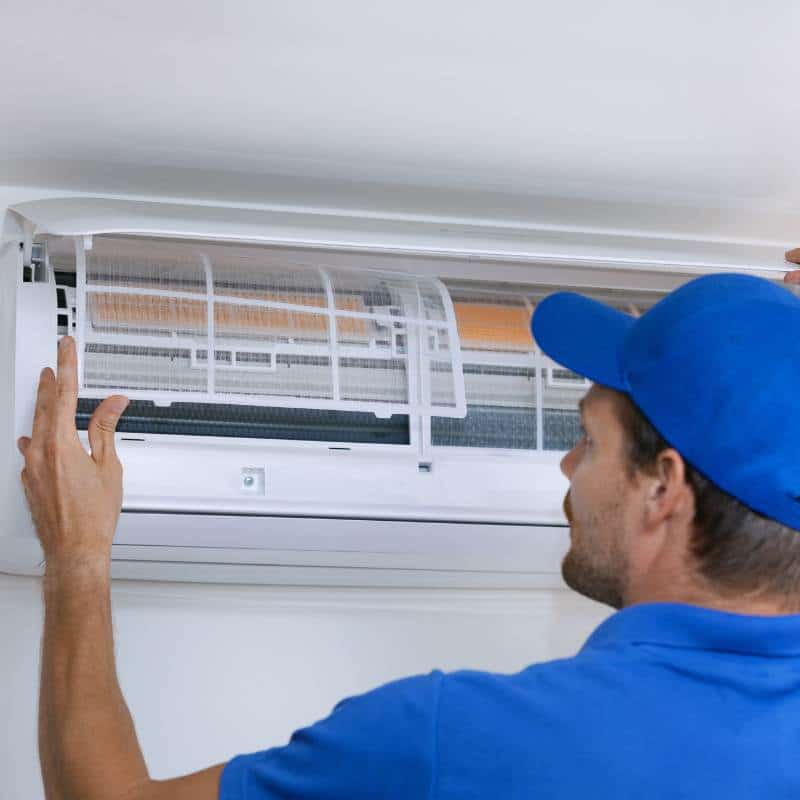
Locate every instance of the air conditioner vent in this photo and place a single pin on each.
(254, 422)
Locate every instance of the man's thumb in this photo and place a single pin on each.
(103, 424)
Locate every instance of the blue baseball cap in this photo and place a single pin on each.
(714, 366)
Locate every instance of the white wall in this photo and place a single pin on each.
(210, 671)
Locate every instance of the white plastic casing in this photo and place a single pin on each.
(248, 510)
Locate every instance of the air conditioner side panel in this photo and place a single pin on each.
(10, 263)
(29, 337)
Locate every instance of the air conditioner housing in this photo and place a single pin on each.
(314, 399)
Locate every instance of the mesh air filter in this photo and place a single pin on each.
(150, 311)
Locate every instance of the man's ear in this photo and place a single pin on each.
(668, 493)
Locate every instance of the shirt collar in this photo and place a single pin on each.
(693, 627)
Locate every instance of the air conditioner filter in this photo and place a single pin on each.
(181, 321)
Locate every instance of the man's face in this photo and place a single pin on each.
(596, 505)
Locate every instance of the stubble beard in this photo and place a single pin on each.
(596, 566)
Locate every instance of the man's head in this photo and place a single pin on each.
(645, 524)
(686, 486)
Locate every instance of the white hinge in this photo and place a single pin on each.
(35, 263)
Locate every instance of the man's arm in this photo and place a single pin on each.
(88, 732)
(87, 742)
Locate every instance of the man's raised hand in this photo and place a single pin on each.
(75, 497)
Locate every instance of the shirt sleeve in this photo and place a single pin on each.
(379, 745)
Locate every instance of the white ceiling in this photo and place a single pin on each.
(632, 105)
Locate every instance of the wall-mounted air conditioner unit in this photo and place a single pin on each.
(315, 399)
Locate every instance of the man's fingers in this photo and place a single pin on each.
(793, 256)
(792, 277)
(103, 425)
(45, 397)
(67, 384)
(23, 443)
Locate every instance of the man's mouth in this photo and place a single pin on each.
(567, 506)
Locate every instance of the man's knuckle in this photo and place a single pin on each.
(51, 455)
(34, 457)
(61, 432)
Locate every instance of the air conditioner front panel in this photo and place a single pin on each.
(360, 481)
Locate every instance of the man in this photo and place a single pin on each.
(684, 505)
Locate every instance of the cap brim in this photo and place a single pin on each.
(583, 335)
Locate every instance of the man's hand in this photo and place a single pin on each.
(793, 257)
(75, 498)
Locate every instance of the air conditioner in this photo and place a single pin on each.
(315, 398)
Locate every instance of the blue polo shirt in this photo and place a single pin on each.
(663, 701)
